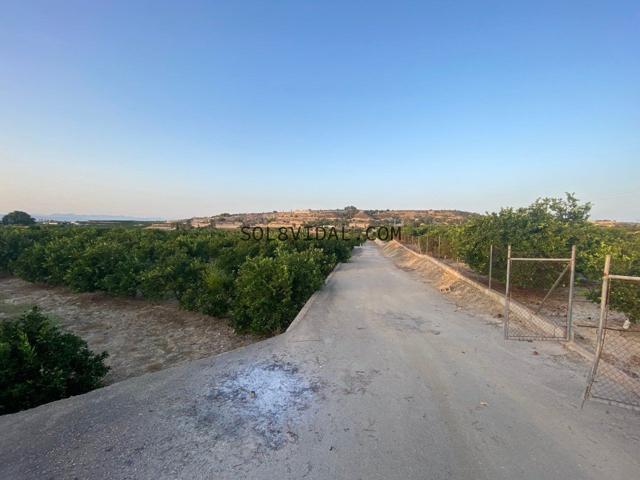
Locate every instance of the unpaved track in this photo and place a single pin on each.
(382, 379)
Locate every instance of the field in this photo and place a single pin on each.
(140, 336)
(153, 299)
(259, 285)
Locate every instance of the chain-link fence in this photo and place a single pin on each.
(615, 374)
(541, 305)
(437, 246)
(410, 241)
(539, 288)
(544, 287)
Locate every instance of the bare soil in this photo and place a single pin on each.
(140, 336)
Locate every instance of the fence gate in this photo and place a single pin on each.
(615, 374)
(522, 323)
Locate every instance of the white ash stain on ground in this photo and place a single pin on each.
(254, 409)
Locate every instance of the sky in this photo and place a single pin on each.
(180, 109)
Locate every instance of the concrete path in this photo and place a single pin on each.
(383, 378)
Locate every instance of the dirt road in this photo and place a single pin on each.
(383, 378)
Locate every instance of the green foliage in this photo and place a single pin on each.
(546, 228)
(39, 363)
(198, 268)
(14, 241)
(624, 247)
(18, 218)
(263, 296)
(439, 240)
(306, 270)
(271, 290)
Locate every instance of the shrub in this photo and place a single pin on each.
(262, 302)
(546, 228)
(39, 363)
(271, 290)
(210, 291)
(198, 268)
(306, 272)
(18, 218)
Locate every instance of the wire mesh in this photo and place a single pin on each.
(411, 242)
(437, 246)
(615, 375)
(617, 378)
(528, 326)
(538, 300)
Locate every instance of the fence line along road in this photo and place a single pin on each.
(524, 329)
(615, 374)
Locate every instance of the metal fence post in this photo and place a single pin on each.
(507, 294)
(604, 295)
(490, 264)
(439, 244)
(572, 278)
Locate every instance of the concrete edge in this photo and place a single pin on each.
(303, 311)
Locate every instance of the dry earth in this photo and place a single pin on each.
(140, 336)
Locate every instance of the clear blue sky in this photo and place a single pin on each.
(177, 109)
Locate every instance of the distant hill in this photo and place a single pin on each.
(344, 216)
(73, 217)
(632, 226)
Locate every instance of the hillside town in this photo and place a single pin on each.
(350, 216)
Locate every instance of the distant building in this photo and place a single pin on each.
(228, 225)
(201, 222)
(161, 226)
